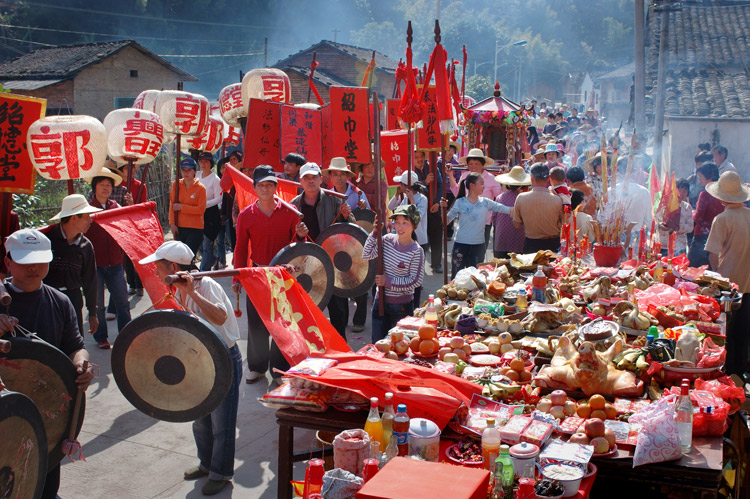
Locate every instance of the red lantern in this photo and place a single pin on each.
(67, 147)
(182, 112)
(133, 134)
(268, 84)
(230, 104)
(210, 140)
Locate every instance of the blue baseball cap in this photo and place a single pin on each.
(188, 163)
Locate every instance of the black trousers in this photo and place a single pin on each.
(192, 237)
(435, 238)
(534, 245)
(259, 357)
(131, 276)
(737, 339)
(52, 483)
(360, 314)
(76, 298)
(338, 314)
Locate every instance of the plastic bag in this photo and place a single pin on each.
(657, 294)
(340, 484)
(710, 412)
(463, 279)
(725, 388)
(711, 355)
(659, 438)
(350, 449)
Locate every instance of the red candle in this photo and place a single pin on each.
(642, 244)
(575, 233)
(671, 244)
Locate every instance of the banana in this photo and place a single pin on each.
(641, 364)
(486, 392)
(509, 389)
(497, 392)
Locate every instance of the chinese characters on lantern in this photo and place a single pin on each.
(143, 137)
(268, 84)
(350, 124)
(394, 151)
(230, 104)
(191, 115)
(300, 132)
(16, 114)
(428, 138)
(262, 144)
(210, 139)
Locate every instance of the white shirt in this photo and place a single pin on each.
(214, 293)
(639, 208)
(213, 189)
(726, 166)
(420, 201)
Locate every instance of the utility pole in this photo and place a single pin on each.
(639, 97)
(495, 80)
(265, 52)
(660, 77)
(335, 34)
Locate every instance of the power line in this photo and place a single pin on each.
(154, 18)
(209, 55)
(27, 41)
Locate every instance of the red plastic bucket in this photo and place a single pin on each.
(607, 256)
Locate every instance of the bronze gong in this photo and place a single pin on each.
(353, 275)
(315, 273)
(23, 447)
(47, 376)
(364, 218)
(172, 365)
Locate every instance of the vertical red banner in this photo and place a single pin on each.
(262, 144)
(394, 151)
(327, 139)
(17, 113)
(301, 133)
(391, 114)
(428, 137)
(350, 127)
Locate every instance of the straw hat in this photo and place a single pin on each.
(106, 172)
(75, 204)
(588, 165)
(729, 188)
(516, 176)
(339, 164)
(476, 154)
(454, 144)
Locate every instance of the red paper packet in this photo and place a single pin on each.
(537, 433)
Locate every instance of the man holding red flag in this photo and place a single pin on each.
(263, 229)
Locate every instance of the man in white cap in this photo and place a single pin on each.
(73, 263)
(728, 246)
(214, 434)
(43, 310)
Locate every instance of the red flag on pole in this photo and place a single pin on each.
(301, 132)
(262, 143)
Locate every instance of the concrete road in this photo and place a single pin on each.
(131, 455)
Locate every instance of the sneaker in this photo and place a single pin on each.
(357, 328)
(110, 316)
(214, 487)
(139, 291)
(131, 291)
(253, 377)
(194, 473)
(104, 345)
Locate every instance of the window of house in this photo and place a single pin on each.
(134, 73)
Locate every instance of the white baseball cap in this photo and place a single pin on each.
(309, 169)
(406, 179)
(27, 246)
(172, 251)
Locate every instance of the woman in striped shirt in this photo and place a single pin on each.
(403, 264)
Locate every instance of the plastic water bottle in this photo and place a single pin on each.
(430, 315)
(490, 445)
(683, 416)
(374, 426)
(504, 472)
(401, 430)
(539, 285)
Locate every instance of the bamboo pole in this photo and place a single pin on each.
(379, 209)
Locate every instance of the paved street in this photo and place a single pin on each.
(131, 455)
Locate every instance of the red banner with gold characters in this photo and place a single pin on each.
(17, 113)
(394, 151)
(301, 133)
(262, 144)
(428, 137)
(295, 323)
(391, 114)
(350, 127)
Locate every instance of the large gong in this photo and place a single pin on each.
(172, 366)
(315, 273)
(47, 376)
(353, 275)
(364, 218)
(23, 447)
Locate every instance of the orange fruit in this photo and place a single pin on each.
(599, 413)
(610, 410)
(427, 347)
(427, 332)
(513, 375)
(437, 344)
(583, 411)
(504, 370)
(414, 344)
(597, 402)
(525, 376)
(517, 364)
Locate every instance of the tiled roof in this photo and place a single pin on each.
(708, 61)
(66, 61)
(320, 76)
(382, 62)
(625, 71)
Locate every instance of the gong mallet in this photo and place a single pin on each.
(70, 445)
(237, 311)
(171, 279)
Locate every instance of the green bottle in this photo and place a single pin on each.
(504, 469)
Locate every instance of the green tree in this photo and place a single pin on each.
(479, 87)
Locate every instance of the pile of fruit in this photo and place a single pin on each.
(453, 350)
(557, 405)
(595, 433)
(516, 371)
(596, 407)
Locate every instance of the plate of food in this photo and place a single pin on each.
(465, 453)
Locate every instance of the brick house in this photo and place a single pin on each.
(90, 79)
(339, 65)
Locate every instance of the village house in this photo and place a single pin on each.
(615, 94)
(90, 79)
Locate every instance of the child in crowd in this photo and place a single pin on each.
(557, 184)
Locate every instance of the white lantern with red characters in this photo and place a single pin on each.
(230, 104)
(268, 84)
(182, 113)
(232, 135)
(67, 147)
(209, 141)
(146, 100)
(133, 135)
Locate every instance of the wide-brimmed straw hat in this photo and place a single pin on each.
(588, 165)
(516, 176)
(476, 154)
(106, 172)
(75, 204)
(729, 188)
(339, 164)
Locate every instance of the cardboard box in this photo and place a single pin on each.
(404, 478)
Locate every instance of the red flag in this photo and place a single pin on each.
(391, 114)
(350, 127)
(428, 137)
(301, 132)
(295, 323)
(243, 185)
(262, 143)
(138, 232)
(394, 151)
(412, 108)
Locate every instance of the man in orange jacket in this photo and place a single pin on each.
(186, 212)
